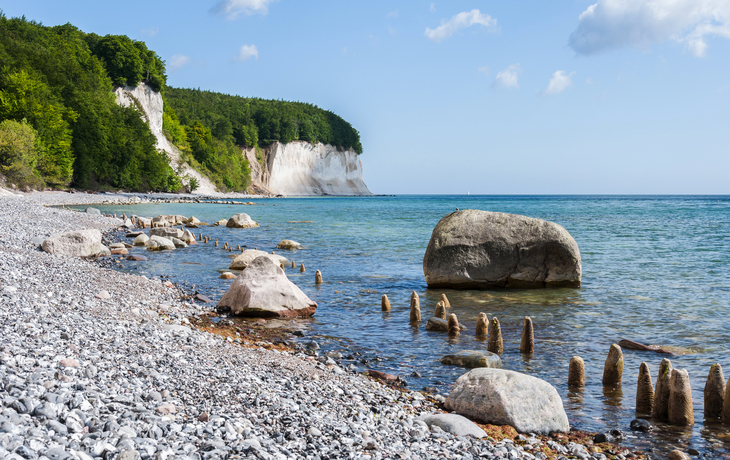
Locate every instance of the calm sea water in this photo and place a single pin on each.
(656, 269)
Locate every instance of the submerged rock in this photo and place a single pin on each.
(263, 290)
(440, 325)
(502, 397)
(472, 359)
(474, 249)
(288, 244)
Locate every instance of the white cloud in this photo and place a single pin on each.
(509, 77)
(232, 8)
(558, 83)
(151, 32)
(177, 61)
(610, 24)
(247, 52)
(485, 70)
(458, 22)
(392, 14)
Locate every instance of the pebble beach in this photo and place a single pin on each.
(95, 363)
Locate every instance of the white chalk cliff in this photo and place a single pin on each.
(301, 168)
(296, 168)
(150, 102)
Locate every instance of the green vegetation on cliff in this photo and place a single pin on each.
(59, 81)
(61, 125)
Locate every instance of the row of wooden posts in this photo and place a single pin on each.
(485, 327)
(671, 400)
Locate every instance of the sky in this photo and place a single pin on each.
(456, 97)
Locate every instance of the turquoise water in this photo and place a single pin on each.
(655, 270)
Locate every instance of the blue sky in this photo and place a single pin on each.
(487, 97)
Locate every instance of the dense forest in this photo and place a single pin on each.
(60, 124)
(56, 100)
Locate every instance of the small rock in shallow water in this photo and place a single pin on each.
(641, 425)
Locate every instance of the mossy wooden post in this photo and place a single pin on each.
(317, 277)
(613, 369)
(644, 391)
(301, 268)
(447, 305)
(495, 344)
(714, 393)
(527, 345)
(384, 303)
(440, 311)
(415, 307)
(482, 325)
(577, 372)
(453, 326)
(661, 395)
(680, 399)
(725, 417)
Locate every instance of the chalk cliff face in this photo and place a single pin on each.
(150, 102)
(301, 168)
(296, 168)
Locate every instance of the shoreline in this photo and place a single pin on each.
(126, 352)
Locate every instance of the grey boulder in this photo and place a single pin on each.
(502, 397)
(473, 359)
(93, 211)
(263, 290)
(158, 243)
(474, 249)
(440, 325)
(289, 244)
(249, 255)
(166, 232)
(141, 240)
(454, 424)
(79, 243)
(241, 220)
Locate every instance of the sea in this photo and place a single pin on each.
(656, 270)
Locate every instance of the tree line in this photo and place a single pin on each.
(60, 124)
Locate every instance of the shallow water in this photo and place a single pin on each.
(655, 270)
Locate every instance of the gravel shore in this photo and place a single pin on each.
(125, 377)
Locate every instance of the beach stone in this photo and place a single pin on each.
(227, 276)
(116, 246)
(158, 243)
(141, 240)
(246, 257)
(288, 244)
(119, 252)
(455, 424)
(502, 397)
(93, 211)
(178, 243)
(220, 222)
(641, 425)
(103, 295)
(474, 249)
(241, 220)
(263, 290)
(166, 232)
(79, 243)
(678, 455)
(192, 220)
(440, 325)
(136, 257)
(166, 409)
(472, 359)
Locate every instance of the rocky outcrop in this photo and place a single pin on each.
(474, 249)
(245, 258)
(149, 102)
(502, 397)
(263, 290)
(79, 243)
(301, 168)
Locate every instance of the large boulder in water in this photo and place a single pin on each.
(79, 243)
(249, 255)
(166, 232)
(502, 397)
(241, 220)
(159, 243)
(263, 290)
(474, 249)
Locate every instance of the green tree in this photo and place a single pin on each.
(122, 59)
(19, 151)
